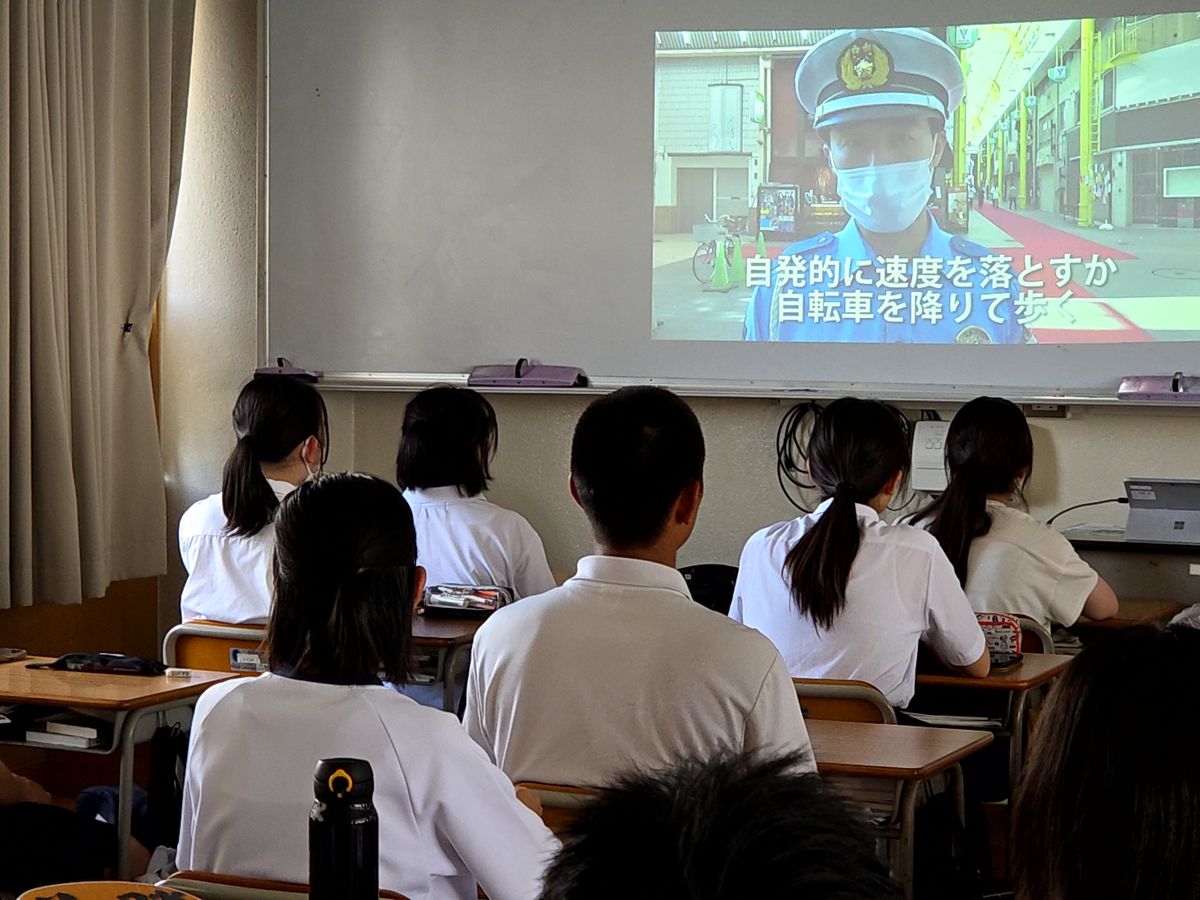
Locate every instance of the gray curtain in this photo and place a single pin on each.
(93, 97)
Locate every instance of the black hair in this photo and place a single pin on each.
(1109, 802)
(856, 447)
(719, 829)
(273, 415)
(449, 437)
(345, 564)
(988, 448)
(634, 452)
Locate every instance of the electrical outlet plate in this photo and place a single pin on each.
(928, 456)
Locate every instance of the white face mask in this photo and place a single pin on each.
(885, 199)
(313, 475)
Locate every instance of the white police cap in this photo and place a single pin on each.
(876, 73)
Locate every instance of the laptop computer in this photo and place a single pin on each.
(1163, 510)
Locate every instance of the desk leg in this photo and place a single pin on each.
(959, 792)
(1016, 746)
(449, 678)
(908, 827)
(125, 795)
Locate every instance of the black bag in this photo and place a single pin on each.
(711, 585)
(168, 766)
(106, 663)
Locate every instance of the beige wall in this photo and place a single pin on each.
(1081, 458)
(209, 349)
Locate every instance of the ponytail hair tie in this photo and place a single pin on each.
(845, 487)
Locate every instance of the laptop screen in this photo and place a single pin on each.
(1166, 510)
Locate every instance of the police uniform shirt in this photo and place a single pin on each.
(467, 540)
(447, 816)
(229, 575)
(1025, 567)
(619, 669)
(902, 590)
(835, 287)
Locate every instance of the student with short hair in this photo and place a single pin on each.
(718, 829)
(1007, 561)
(226, 539)
(842, 593)
(619, 667)
(346, 581)
(1109, 801)
(443, 464)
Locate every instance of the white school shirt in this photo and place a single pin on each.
(902, 590)
(229, 575)
(447, 816)
(620, 669)
(1024, 566)
(467, 540)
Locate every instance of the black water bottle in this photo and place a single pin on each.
(343, 832)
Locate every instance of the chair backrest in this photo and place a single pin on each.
(711, 585)
(99, 890)
(560, 802)
(1035, 637)
(208, 646)
(210, 886)
(843, 701)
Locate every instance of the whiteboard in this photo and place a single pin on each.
(459, 182)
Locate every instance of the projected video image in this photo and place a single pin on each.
(1030, 182)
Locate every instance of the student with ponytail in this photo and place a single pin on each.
(226, 539)
(840, 592)
(1005, 559)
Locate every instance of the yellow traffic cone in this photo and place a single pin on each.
(720, 278)
(737, 271)
(762, 246)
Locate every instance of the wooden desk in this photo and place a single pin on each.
(1133, 611)
(129, 699)
(1033, 671)
(904, 752)
(901, 755)
(449, 638)
(431, 631)
(88, 690)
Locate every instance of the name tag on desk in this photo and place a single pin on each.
(242, 660)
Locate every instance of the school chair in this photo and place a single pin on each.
(213, 646)
(560, 802)
(1035, 637)
(210, 886)
(104, 890)
(711, 585)
(843, 701)
(884, 802)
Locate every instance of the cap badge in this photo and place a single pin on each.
(864, 65)
(972, 334)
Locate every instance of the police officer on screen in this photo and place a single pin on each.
(880, 99)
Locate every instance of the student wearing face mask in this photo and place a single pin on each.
(880, 100)
(226, 540)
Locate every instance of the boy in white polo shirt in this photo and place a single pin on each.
(619, 669)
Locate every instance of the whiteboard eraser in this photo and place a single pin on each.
(174, 672)
(523, 373)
